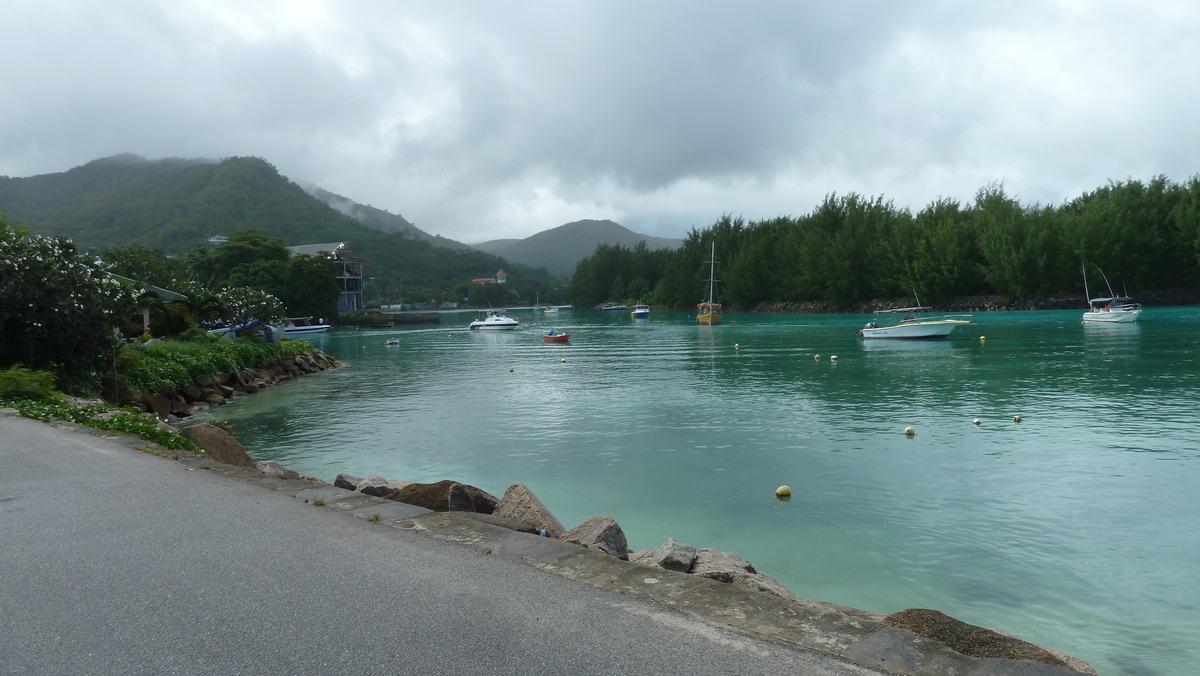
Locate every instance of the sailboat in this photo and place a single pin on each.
(709, 312)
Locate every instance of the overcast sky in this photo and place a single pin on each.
(479, 120)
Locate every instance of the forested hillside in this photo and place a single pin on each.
(175, 205)
(1145, 236)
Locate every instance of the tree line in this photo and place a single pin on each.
(853, 248)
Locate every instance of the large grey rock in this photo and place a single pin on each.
(436, 496)
(600, 532)
(720, 566)
(159, 404)
(347, 481)
(459, 499)
(520, 504)
(272, 468)
(218, 444)
(373, 484)
(672, 555)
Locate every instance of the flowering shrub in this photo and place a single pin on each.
(58, 307)
(241, 305)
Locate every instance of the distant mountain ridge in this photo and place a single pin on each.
(176, 204)
(379, 219)
(560, 249)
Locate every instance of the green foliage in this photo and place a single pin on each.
(180, 363)
(310, 287)
(22, 383)
(58, 307)
(852, 249)
(603, 276)
(50, 408)
(150, 266)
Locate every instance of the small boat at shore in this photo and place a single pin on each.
(913, 327)
(553, 336)
(495, 320)
(301, 326)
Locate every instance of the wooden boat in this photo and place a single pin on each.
(554, 337)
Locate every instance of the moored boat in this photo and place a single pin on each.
(1112, 310)
(495, 320)
(708, 312)
(641, 311)
(553, 336)
(914, 327)
(301, 326)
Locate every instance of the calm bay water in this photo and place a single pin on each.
(1076, 528)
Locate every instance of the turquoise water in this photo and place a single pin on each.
(1076, 528)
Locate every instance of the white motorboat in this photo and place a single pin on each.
(914, 327)
(641, 311)
(1112, 310)
(301, 326)
(1116, 310)
(550, 310)
(495, 320)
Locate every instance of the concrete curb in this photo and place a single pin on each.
(845, 633)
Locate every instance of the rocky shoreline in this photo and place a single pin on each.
(520, 511)
(172, 404)
(981, 303)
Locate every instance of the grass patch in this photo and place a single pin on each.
(373, 518)
(52, 408)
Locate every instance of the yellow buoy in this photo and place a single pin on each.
(783, 492)
(1017, 418)
(975, 421)
(908, 431)
(983, 339)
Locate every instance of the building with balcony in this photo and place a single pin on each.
(349, 271)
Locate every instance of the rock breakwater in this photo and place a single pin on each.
(173, 403)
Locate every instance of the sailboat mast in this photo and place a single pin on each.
(712, 268)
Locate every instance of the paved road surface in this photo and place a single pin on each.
(113, 561)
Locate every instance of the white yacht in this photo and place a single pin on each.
(495, 320)
(913, 326)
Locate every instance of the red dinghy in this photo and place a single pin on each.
(554, 337)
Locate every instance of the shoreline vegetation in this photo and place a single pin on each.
(1138, 235)
(978, 303)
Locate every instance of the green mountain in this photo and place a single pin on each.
(380, 219)
(560, 249)
(176, 204)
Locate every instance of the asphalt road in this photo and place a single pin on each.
(114, 561)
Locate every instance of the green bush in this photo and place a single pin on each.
(21, 383)
(180, 363)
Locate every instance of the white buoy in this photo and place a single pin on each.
(817, 357)
(736, 346)
(975, 421)
(908, 431)
(1017, 418)
(562, 361)
(833, 357)
(783, 492)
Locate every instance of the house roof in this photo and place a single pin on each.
(164, 294)
(501, 273)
